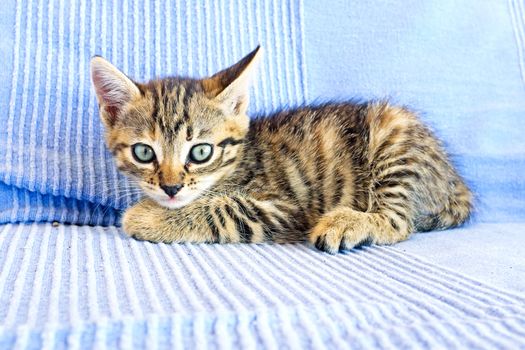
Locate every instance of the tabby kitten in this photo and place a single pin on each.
(337, 174)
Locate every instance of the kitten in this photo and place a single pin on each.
(337, 174)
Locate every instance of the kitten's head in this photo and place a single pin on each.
(175, 136)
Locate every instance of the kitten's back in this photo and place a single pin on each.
(358, 155)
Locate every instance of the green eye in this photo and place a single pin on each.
(143, 153)
(201, 153)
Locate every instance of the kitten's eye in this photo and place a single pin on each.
(201, 153)
(143, 153)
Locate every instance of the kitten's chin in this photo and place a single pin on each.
(177, 202)
(170, 204)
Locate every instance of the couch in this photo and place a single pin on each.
(70, 278)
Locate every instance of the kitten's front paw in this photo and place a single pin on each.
(140, 222)
(339, 230)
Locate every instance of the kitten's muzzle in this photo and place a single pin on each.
(171, 191)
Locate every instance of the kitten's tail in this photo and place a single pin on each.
(456, 212)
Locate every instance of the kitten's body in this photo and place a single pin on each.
(337, 175)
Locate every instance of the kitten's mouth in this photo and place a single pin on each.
(168, 201)
(174, 202)
(171, 202)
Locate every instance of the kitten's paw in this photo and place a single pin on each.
(339, 230)
(138, 223)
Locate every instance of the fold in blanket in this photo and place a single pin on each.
(55, 154)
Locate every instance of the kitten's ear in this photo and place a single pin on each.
(114, 89)
(231, 86)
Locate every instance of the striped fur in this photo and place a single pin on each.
(338, 175)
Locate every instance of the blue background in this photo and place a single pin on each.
(458, 63)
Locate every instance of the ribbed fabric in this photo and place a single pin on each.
(52, 137)
(517, 14)
(462, 66)
(86, 287)
(18, 205)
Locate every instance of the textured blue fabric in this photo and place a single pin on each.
(94, 288)
(20, 205)
(461, 64)
(52, 135)
(489, 252)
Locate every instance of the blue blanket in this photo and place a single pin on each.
(461, 64)
(93, 288)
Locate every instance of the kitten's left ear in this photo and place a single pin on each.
(114, 89)
(231, 86)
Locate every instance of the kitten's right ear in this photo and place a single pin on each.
(231, 85)
(114, 89)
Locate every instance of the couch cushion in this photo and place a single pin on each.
(51, 135)
(461, 65)
(92, 287)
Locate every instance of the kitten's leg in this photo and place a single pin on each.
(217, 219)
(148, 221)
(345, 228)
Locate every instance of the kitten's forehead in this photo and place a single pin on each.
(180, 108)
